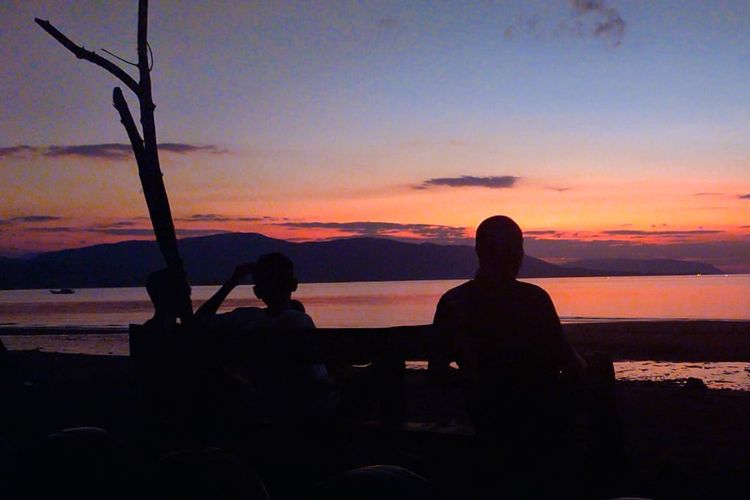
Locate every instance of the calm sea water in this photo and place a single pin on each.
(406, 303)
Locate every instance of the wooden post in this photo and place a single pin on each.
(145, 149)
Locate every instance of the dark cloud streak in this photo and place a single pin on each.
(540, 232)
(220, 218)
(118, 224)
(54, 229)
(637, 232)
(106, 151)
(182, 233)
(15, 150)
(111, 151)
(30, 219)
(492, 182)
(379, 229)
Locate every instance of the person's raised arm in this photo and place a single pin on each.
(211, 306)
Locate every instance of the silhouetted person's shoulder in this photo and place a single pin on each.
(476, 287)
(249, 318)
(477, 294)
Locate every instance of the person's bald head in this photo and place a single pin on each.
(499, 245)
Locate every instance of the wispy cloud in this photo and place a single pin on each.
(122, 231)
(607, 22)
(180, 148)
(54, 229)
(493, 182)
(30, 219)
(744, 196)
(588, 18)
(192, 233)
(221, 218)
(136, 231)
(15, 151)
(205, 218)
(371, 228)
(106, 151)
(540, 232)
(387, 23)
(118, 224)
(708, 194)
(637, 232)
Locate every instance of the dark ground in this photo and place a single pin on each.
(680, 441)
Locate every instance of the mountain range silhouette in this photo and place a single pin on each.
(211, 259)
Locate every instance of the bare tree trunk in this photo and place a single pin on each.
(145, 149)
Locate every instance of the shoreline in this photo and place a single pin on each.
(663, 340)
(669, 352)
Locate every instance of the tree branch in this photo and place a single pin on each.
(126, 118)
(148, 123)
(90, 56)
(118, 57)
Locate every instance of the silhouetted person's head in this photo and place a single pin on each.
(499, 247)
(274, 280)
(169, 292)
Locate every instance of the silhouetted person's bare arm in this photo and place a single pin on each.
(211, 306)
(443, 343)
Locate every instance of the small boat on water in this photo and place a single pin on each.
(62, 291)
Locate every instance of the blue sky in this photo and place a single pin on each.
(610, 113)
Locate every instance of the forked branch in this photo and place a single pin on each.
(89, 55)
(144, 146)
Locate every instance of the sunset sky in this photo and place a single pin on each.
(606, 128)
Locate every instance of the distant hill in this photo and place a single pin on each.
(211, 259)
(646, 267)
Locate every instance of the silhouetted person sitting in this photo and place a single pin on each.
(505, 336)
(162, 352)
(284, 387)
(155, 342)
(170, 295)
(274, 282)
